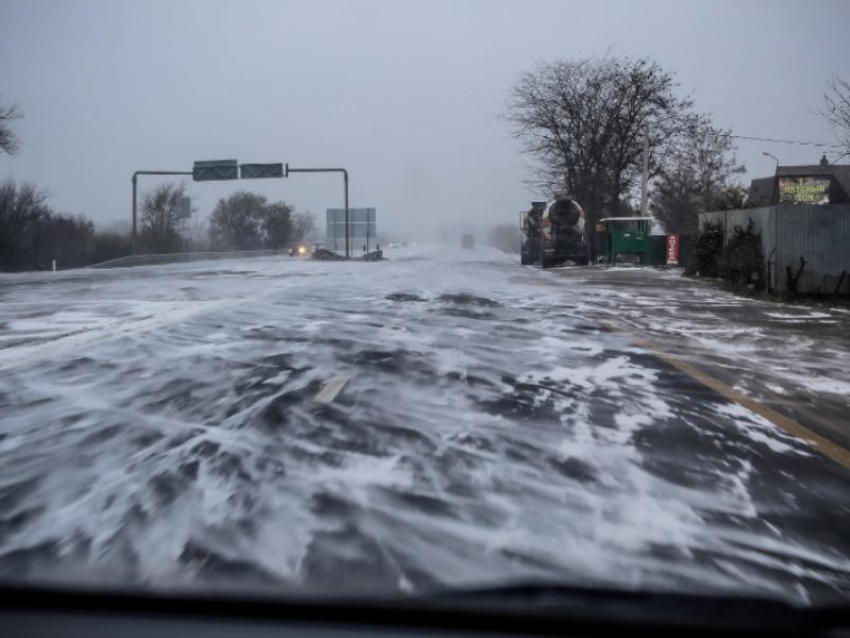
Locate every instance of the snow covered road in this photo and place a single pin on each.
(444, 418)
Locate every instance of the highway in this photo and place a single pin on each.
(443, 418)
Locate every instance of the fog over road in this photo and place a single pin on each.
(444, 418)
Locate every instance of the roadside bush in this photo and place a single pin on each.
(105, 246)
(160, 241)
(23, 216)
(160, 219)
(63, 238)
(742, 261)
(32, 235)
(707, 251)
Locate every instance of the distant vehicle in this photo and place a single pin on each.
(553, 233)
(468, 241)
(298, 251)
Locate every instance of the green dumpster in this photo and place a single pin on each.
(629, 236)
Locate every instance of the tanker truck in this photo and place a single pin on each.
(553, 233)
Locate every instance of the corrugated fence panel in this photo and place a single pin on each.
(729, 219)
(818, 234)
(704, 218)
(763, 223)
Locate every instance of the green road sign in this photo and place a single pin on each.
(215, 170)
(252, 171)
(183, 208)
(361, 223)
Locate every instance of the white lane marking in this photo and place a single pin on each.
(331, 389)
(279, 378)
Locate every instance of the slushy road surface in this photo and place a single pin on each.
(442, 419)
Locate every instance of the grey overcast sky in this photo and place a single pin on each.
(405, 94)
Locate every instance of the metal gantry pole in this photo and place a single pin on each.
(288, 170)
(345, 180)
(133, 236)
(347, 226)
(135, 180)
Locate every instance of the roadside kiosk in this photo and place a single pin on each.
(629, 236)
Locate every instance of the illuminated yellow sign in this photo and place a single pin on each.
(803, 190)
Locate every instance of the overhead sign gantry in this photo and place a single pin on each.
(224, 170)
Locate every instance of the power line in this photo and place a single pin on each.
(773, 140)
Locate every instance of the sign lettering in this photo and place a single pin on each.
(803, 190)
(672, 250)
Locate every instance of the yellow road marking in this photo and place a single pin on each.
(823, 445)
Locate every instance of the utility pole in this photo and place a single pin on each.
(645, 176)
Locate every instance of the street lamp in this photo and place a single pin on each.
(773, 157)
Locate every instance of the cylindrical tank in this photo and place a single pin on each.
(553, 232)
(563, 217)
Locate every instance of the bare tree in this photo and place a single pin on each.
(23, 211)
(732, 197)
(711, 152)
(32, 235)
(277, 225)
(160, 217)
(836, 109)
(583, 121)
(697, 177)
(8, 139)
(237, 221)
(197, 234)
(247, 221)
(303, 226)
(675, 200)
